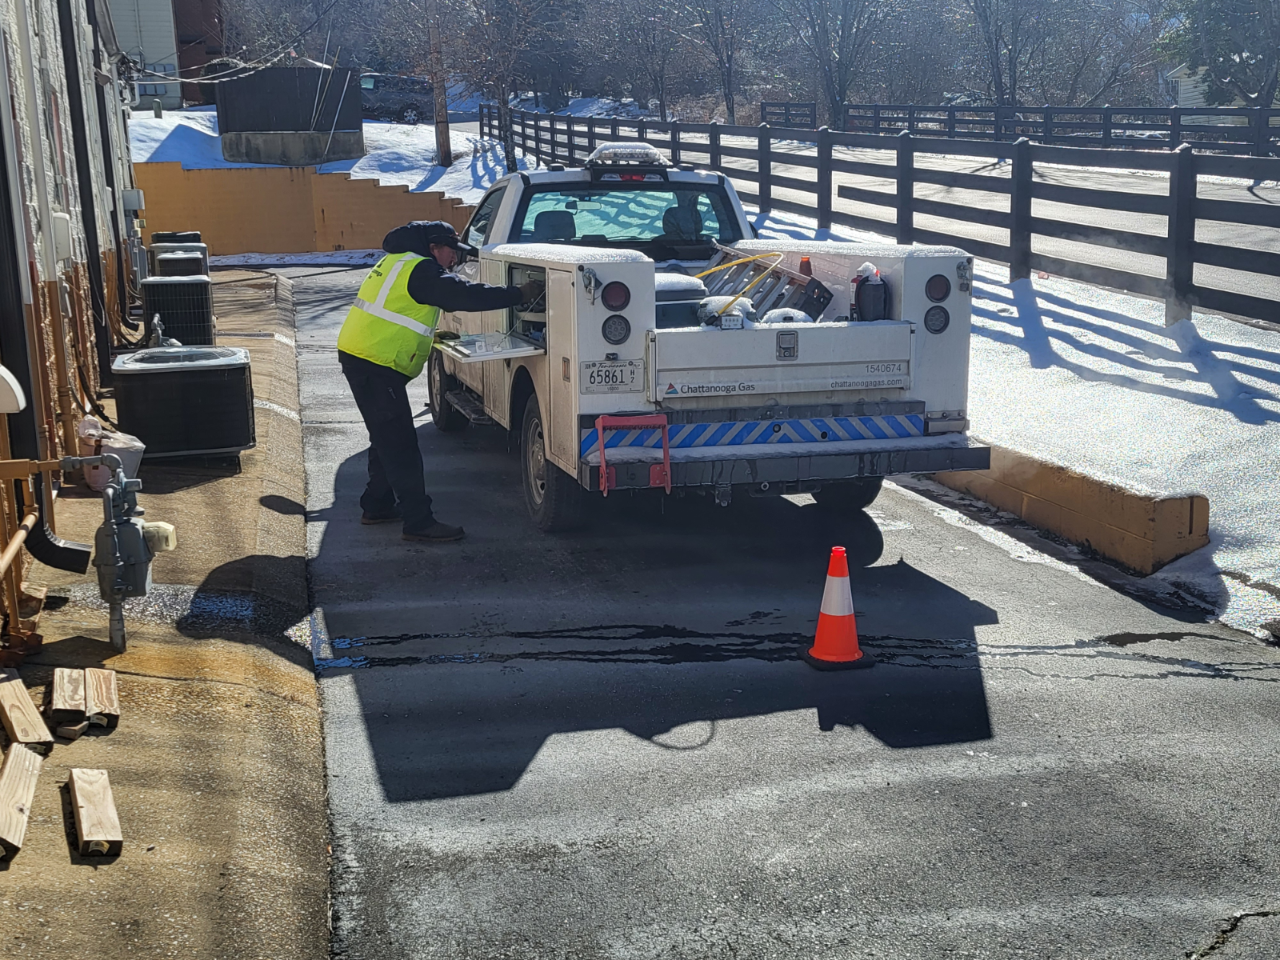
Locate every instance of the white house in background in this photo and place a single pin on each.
(1188, 91)
(148, 36)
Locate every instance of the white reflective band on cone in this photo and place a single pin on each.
(837, 598)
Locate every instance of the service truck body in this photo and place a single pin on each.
(785, 405)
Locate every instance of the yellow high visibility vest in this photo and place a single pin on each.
(385, 325)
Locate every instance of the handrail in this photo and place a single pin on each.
(15, 543)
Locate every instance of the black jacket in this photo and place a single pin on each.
(431, 286)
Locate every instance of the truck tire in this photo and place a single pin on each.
(446, 417)
(849, 495)
(554, 498)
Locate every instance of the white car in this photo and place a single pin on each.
(672, 349)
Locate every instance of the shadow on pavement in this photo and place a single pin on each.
(633, 645)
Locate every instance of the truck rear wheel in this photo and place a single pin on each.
(554, 498)
(849, 495)
(446, 417)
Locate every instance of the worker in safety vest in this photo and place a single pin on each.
(384, 344)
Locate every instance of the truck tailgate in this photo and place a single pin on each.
(772, 359)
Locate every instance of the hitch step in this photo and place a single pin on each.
(469, 406)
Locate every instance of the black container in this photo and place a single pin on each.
(186, 401)
(185, 306)
(180, 265)
(871, 299)
(175, 236)
(157, 249)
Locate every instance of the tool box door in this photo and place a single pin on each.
(479, 347)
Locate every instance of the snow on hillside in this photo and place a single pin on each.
(397, 154)
(586, 107)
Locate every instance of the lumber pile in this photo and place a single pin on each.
(77, 700)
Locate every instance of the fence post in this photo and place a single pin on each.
(824, 178)
(713, 147)
(640, 130)
(1260, 125)
(875, 119)
(906, 194)
(591, 134)
(1106, 127)
(537, 138)
(1180, 253)
(1020, 211)
(613, 130)
(1175, 127)
(1048, 124)
(675, 141)
(951, 123)
(999, 130)
(764, 164)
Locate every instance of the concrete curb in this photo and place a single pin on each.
(1141, 532)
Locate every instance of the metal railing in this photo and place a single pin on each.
(1241, 130)
(749, 156)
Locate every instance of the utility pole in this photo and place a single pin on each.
(439, 85)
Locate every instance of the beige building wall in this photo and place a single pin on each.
(283, 209)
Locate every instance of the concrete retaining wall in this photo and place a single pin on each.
(1141, 532)
(283, 209)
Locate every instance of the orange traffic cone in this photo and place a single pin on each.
(836, 645)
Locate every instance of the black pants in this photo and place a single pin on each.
(395, 463)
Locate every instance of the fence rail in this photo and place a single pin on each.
(749, 155)
(1247, 130)
(801, 115)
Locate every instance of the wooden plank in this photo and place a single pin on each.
(1153, 203)
(1095, 157)
(979, 248)
(1240, 304)
(102, 697)
(963, 181)
(1100, 236)
(1246, 168)
(21, 719)
(966, 214)
(1237, 258)
(73, 731)
(97, 824)
(17, 787)
(794, 183)
(1237, 211)
(1102, 276)
(877, 198)
(66, 702)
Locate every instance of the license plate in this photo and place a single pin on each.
(611, 376)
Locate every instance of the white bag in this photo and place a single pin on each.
(96, 440)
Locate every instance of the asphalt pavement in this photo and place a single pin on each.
(603, 745)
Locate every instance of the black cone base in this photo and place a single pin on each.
(866, 660)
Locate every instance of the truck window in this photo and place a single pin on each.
(366, 83)
(662, 215)
(478, 229)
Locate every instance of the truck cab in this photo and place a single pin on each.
(672, 349)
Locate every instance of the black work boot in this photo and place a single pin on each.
(436, 533)
(380, 516)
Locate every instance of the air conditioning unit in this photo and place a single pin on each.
(175, 236)
(179, 265)
(185, 306)
(159, 248)
(186, 401)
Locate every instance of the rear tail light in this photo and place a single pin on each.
(615, 296)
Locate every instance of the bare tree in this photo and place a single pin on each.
(835, 34)
(721, 30)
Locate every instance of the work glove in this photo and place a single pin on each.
(446, 335)
(531, 290)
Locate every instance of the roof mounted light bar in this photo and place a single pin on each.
(627, 162)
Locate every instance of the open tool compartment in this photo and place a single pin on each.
(528, 320)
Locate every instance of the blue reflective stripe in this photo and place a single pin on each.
(718, 434)
(739, 436)
(916, 421)
(690, 438)
(802, 430)
(588, 442)
(871, 425)
(896, 427)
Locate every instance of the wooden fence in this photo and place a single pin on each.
(802, 115)
(892, 162)
(1241, 130)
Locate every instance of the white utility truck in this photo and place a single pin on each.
(671, 349)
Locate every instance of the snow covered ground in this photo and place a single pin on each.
(397, 154)
(586, 107)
